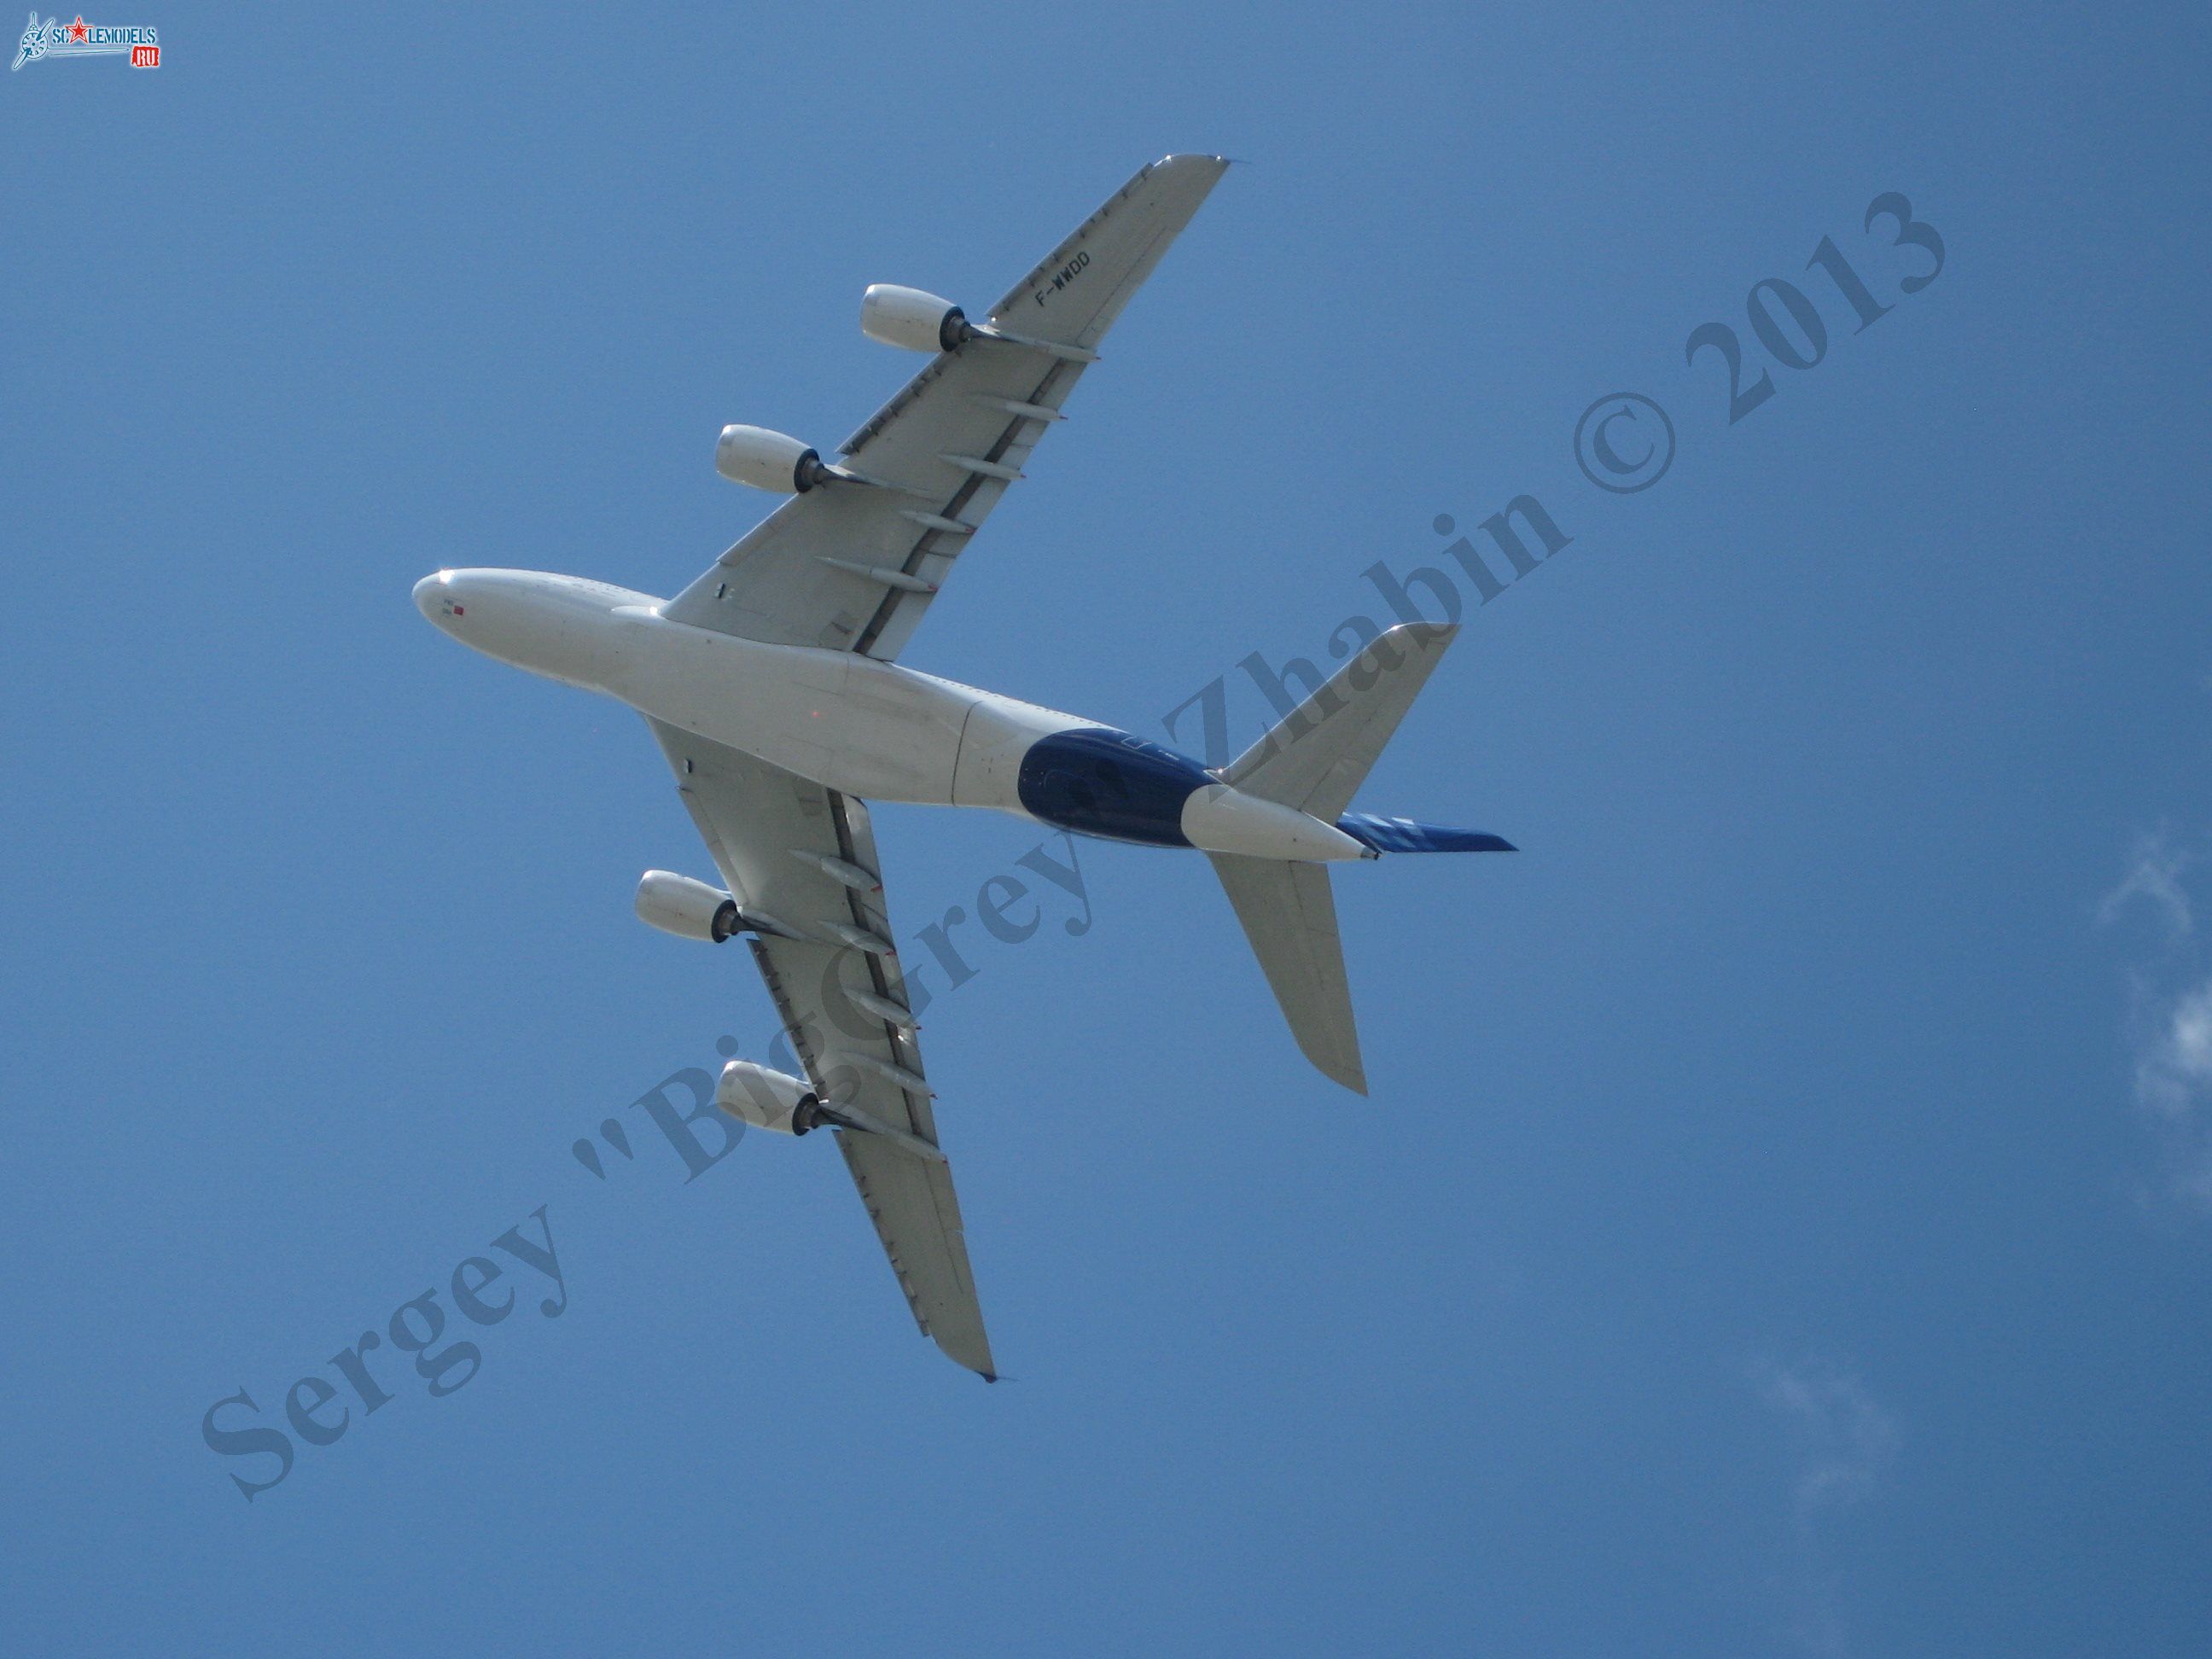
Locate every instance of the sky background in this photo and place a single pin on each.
(1783, 1222)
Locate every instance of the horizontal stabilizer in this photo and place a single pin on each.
(1320, 754)
(1290, 917)
(1314, 761)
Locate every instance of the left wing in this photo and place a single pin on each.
(947, 447)
(837, 985)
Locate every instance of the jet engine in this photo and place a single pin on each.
(912, 320)
(753, 455)
(690, 909)
(768, 1100)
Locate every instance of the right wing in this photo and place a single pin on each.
(950, 442)
(754, 818)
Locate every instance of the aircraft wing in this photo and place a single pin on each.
(754, 818)
(947, 447)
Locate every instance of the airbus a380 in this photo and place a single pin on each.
(772, 685)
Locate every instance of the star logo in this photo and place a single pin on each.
(78, 32)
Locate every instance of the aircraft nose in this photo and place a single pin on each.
(429, 593)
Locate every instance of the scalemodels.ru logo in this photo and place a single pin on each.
(55, 39)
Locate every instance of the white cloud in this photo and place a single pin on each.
(1846, 1444)
(2169, 1025)
(2153, 874)
(2173, 1037)
(2174, 1069)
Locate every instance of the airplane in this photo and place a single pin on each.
(772, 686)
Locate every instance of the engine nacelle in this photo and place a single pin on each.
(690, 909)
(768, 1100)
(910, 319)
(769, 460)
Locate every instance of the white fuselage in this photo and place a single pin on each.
(863, 727)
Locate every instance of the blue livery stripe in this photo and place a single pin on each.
(1098, 781)
(1403, 835)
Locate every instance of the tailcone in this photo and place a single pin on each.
(1221, 819)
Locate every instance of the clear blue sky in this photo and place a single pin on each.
(1783, 1221)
